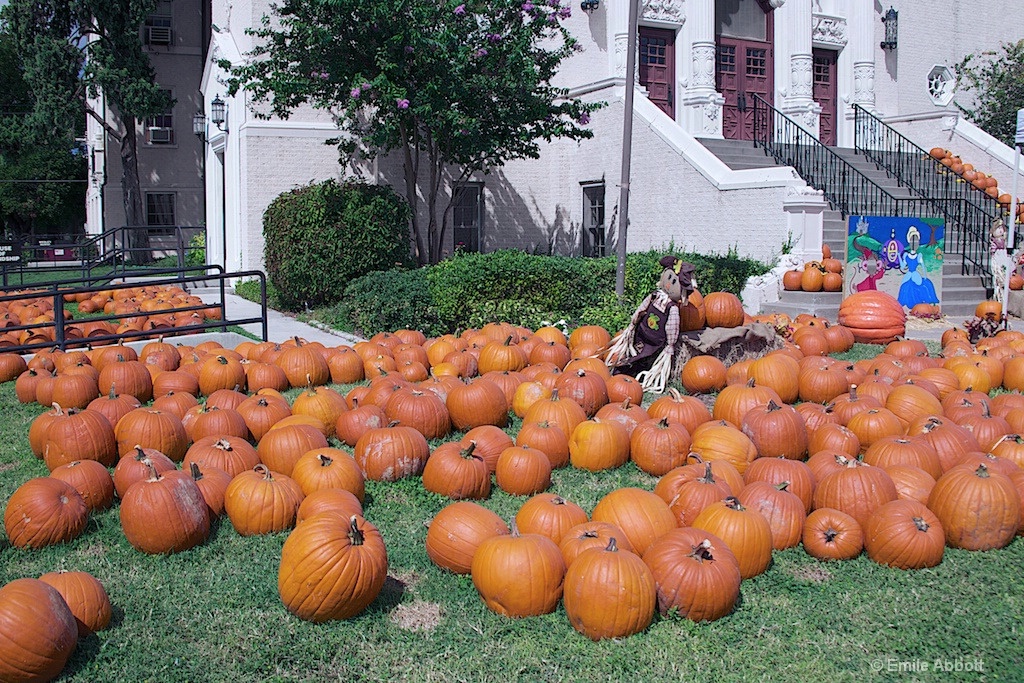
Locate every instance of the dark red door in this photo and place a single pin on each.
(825, 93)
(658, 66)
(744, 69)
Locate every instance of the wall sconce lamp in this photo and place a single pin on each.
(218, 114)
(891, 21)
(589, 6)
(199, 125)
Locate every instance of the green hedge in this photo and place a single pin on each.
(469, 290)
(318, 237)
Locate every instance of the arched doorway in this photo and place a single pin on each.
(744, 64)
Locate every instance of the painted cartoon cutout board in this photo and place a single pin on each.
(896, 255)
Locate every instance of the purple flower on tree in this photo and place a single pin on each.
(409, 49)
(460, 10)
(354, 93)
(584, 118)
(528, 6)
(565, 12)
(494, 37)
(402, 103)
(482, 52)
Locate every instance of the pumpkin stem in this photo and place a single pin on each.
(589, 533)
(709, 476)
(853, 393)
(750, 382)
(830, 535)
(508, 340)
(782, 486)
(732, 502)
(982, 471)
(113, 394)
(195, 471)
(674, 393)
(702, 551)
(57, 409)
(920, 524)
(558, 500)
(663, 423)
(309, 382)
(773, 406)
(694, 456)
(324, 460)
(153, 474)
(612, 546)
(222, 444)
(355, 534)
(140, 454)
(467, 452)
(626, 403)
(262, 469)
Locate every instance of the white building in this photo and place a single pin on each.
(812, 59)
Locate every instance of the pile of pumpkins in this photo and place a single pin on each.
(139, 308)
(982, 182)
(799, 448)
(825, 275)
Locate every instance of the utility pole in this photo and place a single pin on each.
(627, 149)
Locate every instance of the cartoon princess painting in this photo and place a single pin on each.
(915, 288)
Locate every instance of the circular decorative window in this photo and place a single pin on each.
(941, 82)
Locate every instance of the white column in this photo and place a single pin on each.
(863, 46)
(799, 102)
(701, 103)
(805, 208)
(618, 27)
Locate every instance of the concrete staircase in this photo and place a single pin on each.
(960, 293)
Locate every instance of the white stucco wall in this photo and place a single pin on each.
(679, 193)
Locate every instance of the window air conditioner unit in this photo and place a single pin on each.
(160, 136)
(158, 35)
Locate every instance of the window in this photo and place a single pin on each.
(467, 217)
(653, 50)
(160, 209)
(160, 128)
(157, 27)
(593, 220)
(727, 59)
(741, 19)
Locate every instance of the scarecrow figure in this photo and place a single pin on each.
(646, 348)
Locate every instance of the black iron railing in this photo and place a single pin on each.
(119, 252)
(845, 187)
(968, 211)
(70, 333)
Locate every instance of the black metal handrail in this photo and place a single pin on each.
(968, 211)
(112, 250)
(64, 334)
(842, 184)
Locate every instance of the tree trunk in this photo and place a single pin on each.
(411, 168)
(434, 188)
(134, 215)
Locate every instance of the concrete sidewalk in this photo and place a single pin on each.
(280, 326)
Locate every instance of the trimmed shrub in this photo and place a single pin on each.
(389, 300)
(469, 290)
(320, 236)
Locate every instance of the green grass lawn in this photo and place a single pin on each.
(213, 613)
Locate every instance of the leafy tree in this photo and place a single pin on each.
(27, 156)
(996, 80)
(74, 49)
(454, 86)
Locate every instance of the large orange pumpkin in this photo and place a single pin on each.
(331, 569)
(874, 317)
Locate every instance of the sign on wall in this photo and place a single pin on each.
(896, 255)
(10, 251)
